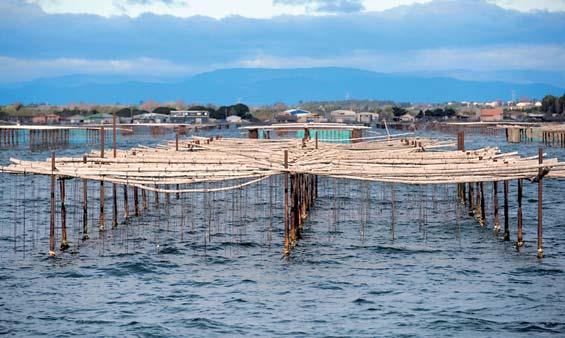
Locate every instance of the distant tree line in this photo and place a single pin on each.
(553, 104)
(17, 109)
(437, 113)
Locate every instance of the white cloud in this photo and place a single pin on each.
(247, 8)
(522, 57)
(17, 70)
(529, 5)
(540, 58)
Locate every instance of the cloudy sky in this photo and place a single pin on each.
(521, 40)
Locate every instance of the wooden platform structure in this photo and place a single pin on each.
(176, 167)
(550, 134)
(55, 136)
(309, 129)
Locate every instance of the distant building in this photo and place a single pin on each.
(46, 119)
(366, 117)
(524, 105)
(190, 116)
(492, 114)
(406, 118)
(75, 119)
(536, 116)
(343, 116)
(294, 115)
(233, 119)
(99, 118)
(151, 118)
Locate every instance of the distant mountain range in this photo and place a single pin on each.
(264, 86)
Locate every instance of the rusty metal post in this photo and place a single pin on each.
(520, 239)
(52, 219)
(540, 204)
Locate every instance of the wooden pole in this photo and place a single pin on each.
(495, 206)
(316, 140)
(286, 218)
(114, 205)
(126, 204)
(483, 213)
(64, 242)
(461, 147)
(84, 205)
(294, 209)
(540, 204)
(136, 201)
(101, 218)
(520, 239)
(101, 221)
(114, 134)
(478, 203)
(144, 199)
(506, 226)
(470, 198)
(102, 137)
(177, 139)
(52, 219)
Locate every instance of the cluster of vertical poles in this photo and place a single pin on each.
(102, 216)
(528, 134)
(297, 202)
(470, 129)
(36, 138)
(474, 199)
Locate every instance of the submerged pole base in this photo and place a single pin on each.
(85, 237)
(506, 236)
(540, 253)
(51, 253)
(64, 246)
(519, 244)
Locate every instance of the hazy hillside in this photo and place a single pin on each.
(258, 86)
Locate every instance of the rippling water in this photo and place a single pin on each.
(441, 275)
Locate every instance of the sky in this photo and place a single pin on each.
(517, 40)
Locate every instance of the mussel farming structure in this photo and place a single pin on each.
(39, 137)
(130, 182)
(551, 135)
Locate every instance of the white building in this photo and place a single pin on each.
(343, 116)
(233, 119)
(366, 117)
(189, 116)
(151, 118)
